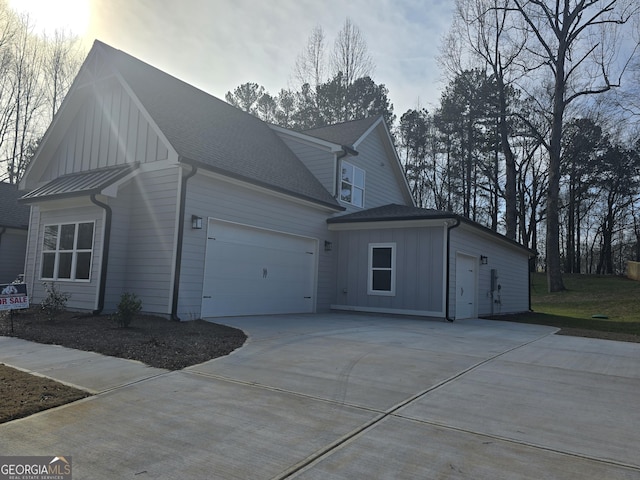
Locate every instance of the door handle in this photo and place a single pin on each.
(461, 291)
(207, 296)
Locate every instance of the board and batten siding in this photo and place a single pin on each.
(108, 130)
(143, 233)
(319, 161)
(83, 294)
(419, 271)
(210, 197)
(13, 243)
(382, 186)
(511, 263)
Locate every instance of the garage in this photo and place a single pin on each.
(251, 271)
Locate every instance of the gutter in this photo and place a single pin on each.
(449, 228)
(105, 252)
(178, 266)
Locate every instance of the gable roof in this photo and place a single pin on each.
(212, 134)
(399, 213)
(12, 214)
(347, 133)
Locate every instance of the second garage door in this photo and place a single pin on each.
(252, 271)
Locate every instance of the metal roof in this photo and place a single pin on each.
(75, 184)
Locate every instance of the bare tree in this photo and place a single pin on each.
(576, 42)
(351, 55)
(311, 62)
(61, 64)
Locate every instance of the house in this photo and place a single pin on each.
(14, 224)
(145, 184)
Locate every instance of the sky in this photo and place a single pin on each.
(217, 45)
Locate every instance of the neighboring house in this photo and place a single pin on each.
(14, 224)
(146, 184)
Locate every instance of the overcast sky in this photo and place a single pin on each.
(218, 44)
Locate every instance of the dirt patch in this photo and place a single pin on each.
(152, 340)
(24, 394)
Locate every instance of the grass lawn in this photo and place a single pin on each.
(572, 310)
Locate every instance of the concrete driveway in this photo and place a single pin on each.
(346, 396)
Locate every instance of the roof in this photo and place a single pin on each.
(397, 213)
(210, 133)
(83, 183)
(12, 214)
(346, 133)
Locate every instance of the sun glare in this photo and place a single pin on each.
(47, 16)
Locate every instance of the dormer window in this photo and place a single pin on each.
(352, 185)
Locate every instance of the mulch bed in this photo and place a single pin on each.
(152, 340)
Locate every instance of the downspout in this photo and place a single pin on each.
(105, 252)
(448, 260)
(178, 266)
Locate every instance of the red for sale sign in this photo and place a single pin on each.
(13, 296)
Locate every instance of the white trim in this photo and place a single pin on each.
(367, 132)
(399, 311)
(476, 269)
(375, 225)
(370, 268)
(74, 252)
(268, 191)
(353, 185)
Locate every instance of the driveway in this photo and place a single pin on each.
(348, 396)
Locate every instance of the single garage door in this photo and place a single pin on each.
(252, 271)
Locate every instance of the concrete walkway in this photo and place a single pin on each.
(345, 396)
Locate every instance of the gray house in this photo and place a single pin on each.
(14, 224)
(146, 184)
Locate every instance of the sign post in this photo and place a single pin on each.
(13, 296)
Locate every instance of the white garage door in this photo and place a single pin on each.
(251, 271)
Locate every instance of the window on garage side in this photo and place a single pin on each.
(352, 185)
(67, 251)
(382, 269)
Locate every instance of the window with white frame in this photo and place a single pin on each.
(67, 251)
(382, 269)
(352, 185)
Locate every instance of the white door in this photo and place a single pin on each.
(252, 271)
(465, 286)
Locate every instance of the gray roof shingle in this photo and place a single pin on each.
(213, 134)
(12, 214)
(346, 133)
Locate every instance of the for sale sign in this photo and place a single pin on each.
(13, 296)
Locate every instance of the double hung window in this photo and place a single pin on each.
(352, 185)
(382, 269)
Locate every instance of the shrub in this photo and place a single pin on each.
(128, 308)
(55, 302)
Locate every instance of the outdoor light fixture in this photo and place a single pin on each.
(196, 222)
(484, 259)
(328, 246)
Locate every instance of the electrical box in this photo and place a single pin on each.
(494, 279)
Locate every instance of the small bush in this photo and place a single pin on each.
(128, 308)
(54, 303)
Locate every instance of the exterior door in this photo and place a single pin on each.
(465, 286)
(252, 271)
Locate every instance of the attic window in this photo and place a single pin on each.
(352, 185)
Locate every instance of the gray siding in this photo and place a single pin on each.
(511, 263)
(13, 244)
(210, 197)
(144, 233)
(320, 162)
(83, 293)
(108, 130)
(382, 186)
(419, 270)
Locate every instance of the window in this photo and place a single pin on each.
(67, 250)
(382, 269)
(352, 185)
